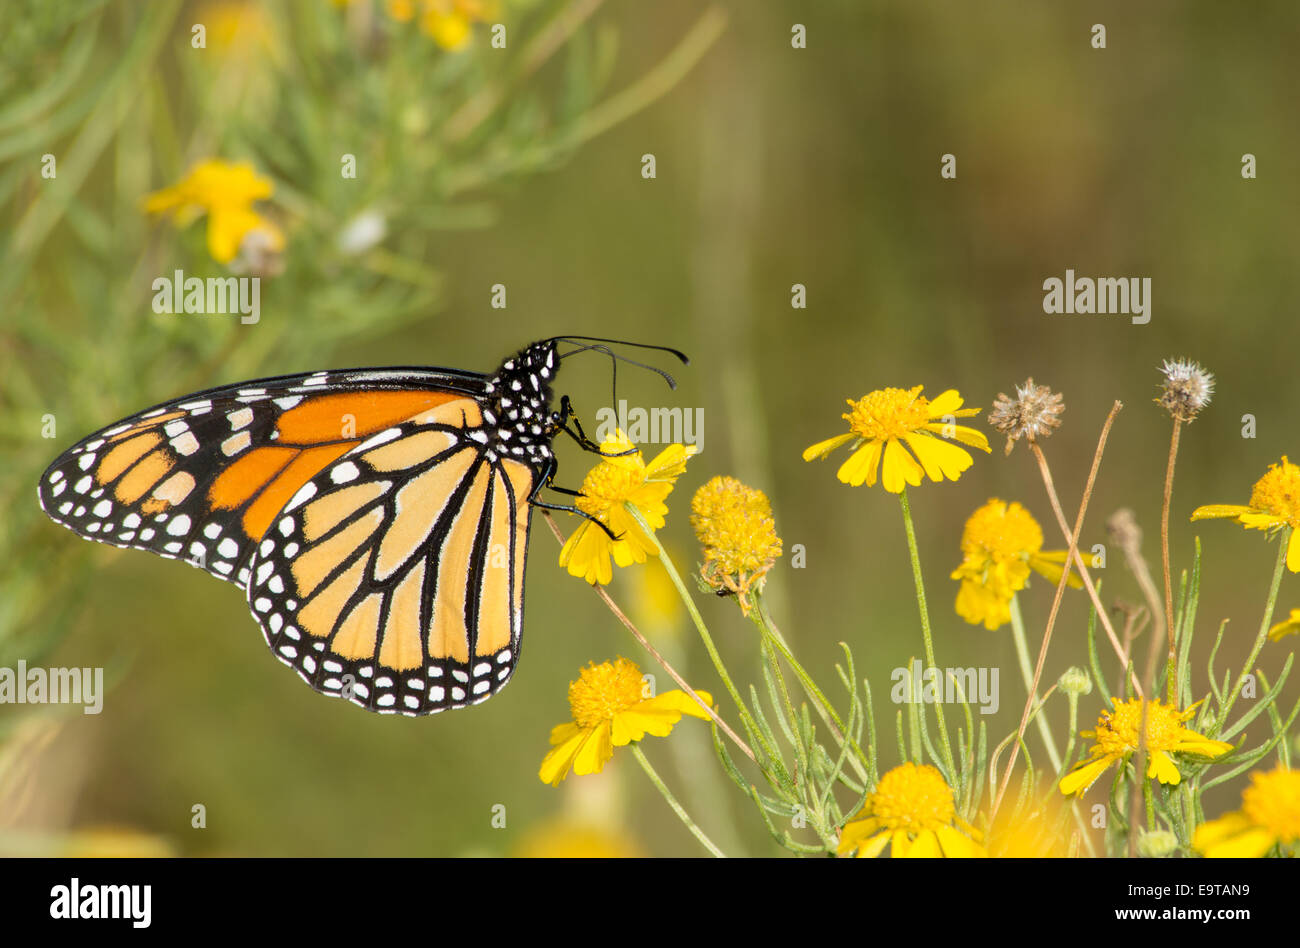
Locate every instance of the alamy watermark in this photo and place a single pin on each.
(1102, 296)
(215, 296)
(652, 425)
(918, 685)
(23, 685)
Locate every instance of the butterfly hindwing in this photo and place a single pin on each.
(202, 478)
(394, 577)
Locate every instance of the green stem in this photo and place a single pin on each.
(700, 627)
(672, 802)
(1262, 637)
(925, 627)
(1027, 672)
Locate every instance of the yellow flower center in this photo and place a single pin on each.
(613, 480)
(1273, 802)
(1002, 531)
(1278, 492)
(1117, 731)
(889, 413)
(603, 691)
(734, 525)
(912, 798)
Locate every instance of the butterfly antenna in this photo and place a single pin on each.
(616, 358)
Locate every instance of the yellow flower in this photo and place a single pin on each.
(911, 810)
(1286, 626)
(608, 491)
(225, 191)
(240, 27)
(1001, 543)
(1269, 816)
(1274, 504)
(1117, 737)
(883, 420)
(1031, 832)
(734, 525)
(448, 22)
(567, 839)
(610, 709)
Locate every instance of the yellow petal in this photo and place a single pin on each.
(939, 458)
(823, 448)
(594, 751)
(1214, 511)
(871, 848)
(670, 463)
(1260, 521)
(1163, 768)
(655, 716)
(1293, 552)
(976, 439)
(1232, 836)
(947, 403)
(899, 468)
(925, 846)
(862, 465)
(562, 732)
(586, 554)
(957, 845)
(1083, 776)
(899, 844)
(556, 765)
(1051, 564)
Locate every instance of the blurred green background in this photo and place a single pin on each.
(775, 166)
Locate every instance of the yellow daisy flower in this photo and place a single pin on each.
(734, 526)
(1269, 816)
(447, 22)
(913, 811)
(609, 489)
(610, 710)
(882, 421)
(1274, 504)
(225, 191)
(1286, 627)
(1001, 543)
(1117, 738)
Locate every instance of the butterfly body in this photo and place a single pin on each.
(377, 519)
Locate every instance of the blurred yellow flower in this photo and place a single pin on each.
(734, 526)
(1117, 738)
(912, 811)
(566, 839)
(238, 26)
(1001, 543)
(1289, 626)
(883, 420)
(447, 22)
(608, 491)
(611, 709)
(1030, 834)
(115, 842)
(1269, 816)
(1274, 504)
(225, 191)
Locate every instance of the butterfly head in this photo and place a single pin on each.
(520, 392)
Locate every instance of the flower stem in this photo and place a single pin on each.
(925, 627)
(1260, 639)
(1164, 554)
(1022, 653)
(672, 802)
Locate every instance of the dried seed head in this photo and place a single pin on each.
(1031, 414)
(1187, 388)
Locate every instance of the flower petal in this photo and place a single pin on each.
(925, 846)
(594, 752)
(1232, 835)
(862, 465)
(823, 448)
(586, 554)
(1163, 768)
(1083, 776)
(899, 468)
(1293, 552)
(957, 845)
(559, 761)
(1051, 564)
(655, 716)
(976, 439)
(1214, 511)
(940, 458)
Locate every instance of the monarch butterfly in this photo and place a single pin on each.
(377, 519)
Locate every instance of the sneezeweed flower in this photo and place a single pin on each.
(912, 810)
(1032, 414)
(1001, 543)
(567, 839)
(448, 22)
(619, 482)
(883, 421)
(1288, 626)
(1117, 738)
(1269, 816)
(734, 526)
(225, 192)
(1032, 832)
(611, 709)
(1274, 504)
(1187, 389)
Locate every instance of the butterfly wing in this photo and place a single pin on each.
(394, 577)
(203, 477)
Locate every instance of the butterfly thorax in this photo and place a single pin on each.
(517, 420)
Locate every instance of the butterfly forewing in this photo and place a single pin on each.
(394, 577)
(202, 478)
